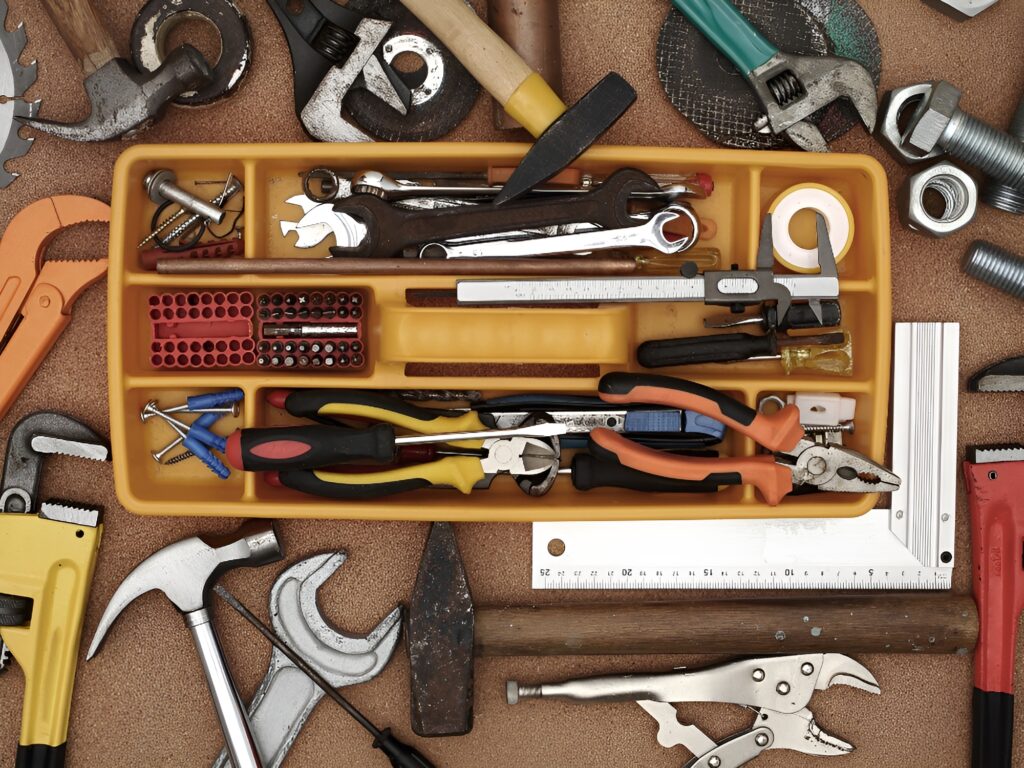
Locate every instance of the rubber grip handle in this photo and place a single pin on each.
(307, 447)
(373, 406)
(717, 348)
(772, 480)
(591, 471)
(40, 756)
(729, 30)
(992, 727)
(779, 431)
(459, 472)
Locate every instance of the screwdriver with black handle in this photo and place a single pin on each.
(726, 348)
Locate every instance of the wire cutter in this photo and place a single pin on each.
(470, 454)
(36, 295)
(794, 460)
(778, 689)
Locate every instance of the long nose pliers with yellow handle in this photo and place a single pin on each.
(302, 457)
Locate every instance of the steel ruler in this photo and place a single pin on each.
(907, 546)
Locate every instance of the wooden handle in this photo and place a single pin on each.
(83, 32)
(889, 624)
(533, 30)
(488, 58)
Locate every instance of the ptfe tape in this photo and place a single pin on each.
(817, 197)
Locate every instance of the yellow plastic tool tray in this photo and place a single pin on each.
(447, 347)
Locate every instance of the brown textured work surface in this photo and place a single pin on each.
(142, 701)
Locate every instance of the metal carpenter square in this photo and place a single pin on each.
(909, 546)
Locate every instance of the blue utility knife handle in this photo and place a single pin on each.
(722, 23)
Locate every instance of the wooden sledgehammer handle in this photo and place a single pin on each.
(83, 32)
(495, 65)
(876, 624)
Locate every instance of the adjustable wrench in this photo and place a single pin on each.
(286, 697)
(649, 234)
(390, 230)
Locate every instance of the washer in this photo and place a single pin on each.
(158, 17)
(817, 197)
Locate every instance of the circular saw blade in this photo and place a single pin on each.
(15, 80)
(708, 90)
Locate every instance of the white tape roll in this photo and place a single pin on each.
(816, 197)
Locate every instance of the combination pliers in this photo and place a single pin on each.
(777, 688)
(793, 459)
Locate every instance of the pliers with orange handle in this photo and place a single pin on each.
(794, 460)
(36, 295)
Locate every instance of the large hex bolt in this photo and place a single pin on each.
(996, 266)
(160, 186)
(939, 122)
(1003, 196)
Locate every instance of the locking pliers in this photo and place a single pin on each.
(778, 689)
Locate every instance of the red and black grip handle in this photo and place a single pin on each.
(307, 447)
(779, 431)
(995, 497)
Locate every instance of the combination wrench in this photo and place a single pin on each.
(286, 697)
(649, 234)
(390, 230)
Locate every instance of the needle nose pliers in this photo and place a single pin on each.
(793, 460)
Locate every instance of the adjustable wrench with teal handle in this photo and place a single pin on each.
(790, 87)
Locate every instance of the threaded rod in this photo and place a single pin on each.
(995, 266)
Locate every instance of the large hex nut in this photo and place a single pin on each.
(897, 103)
(932, 117)
(955, 189)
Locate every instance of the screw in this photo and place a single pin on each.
(939, 122)
(807, 669)
(824, 429)
(996, 266)
(149, 410)
(158, 456)
(160, 186)
(1003, 196)
(782, 688)
(714, 761)
(761, 739)
(758, 675)
(233, 187)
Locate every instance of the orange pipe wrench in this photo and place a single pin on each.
(36, 295)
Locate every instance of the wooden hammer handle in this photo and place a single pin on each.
(495, 65)
(877, 624)
(83, 32)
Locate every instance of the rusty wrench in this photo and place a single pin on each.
(286, 697)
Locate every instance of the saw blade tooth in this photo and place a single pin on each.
(23, 109)
(14, 41)
(6, 177)
(24, 76)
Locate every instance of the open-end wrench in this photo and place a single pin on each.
(390, 230)
(649, 234)
(286, 697)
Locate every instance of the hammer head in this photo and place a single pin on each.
(185, 571)
(125, 100)
(570, 135)
(440, 639)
